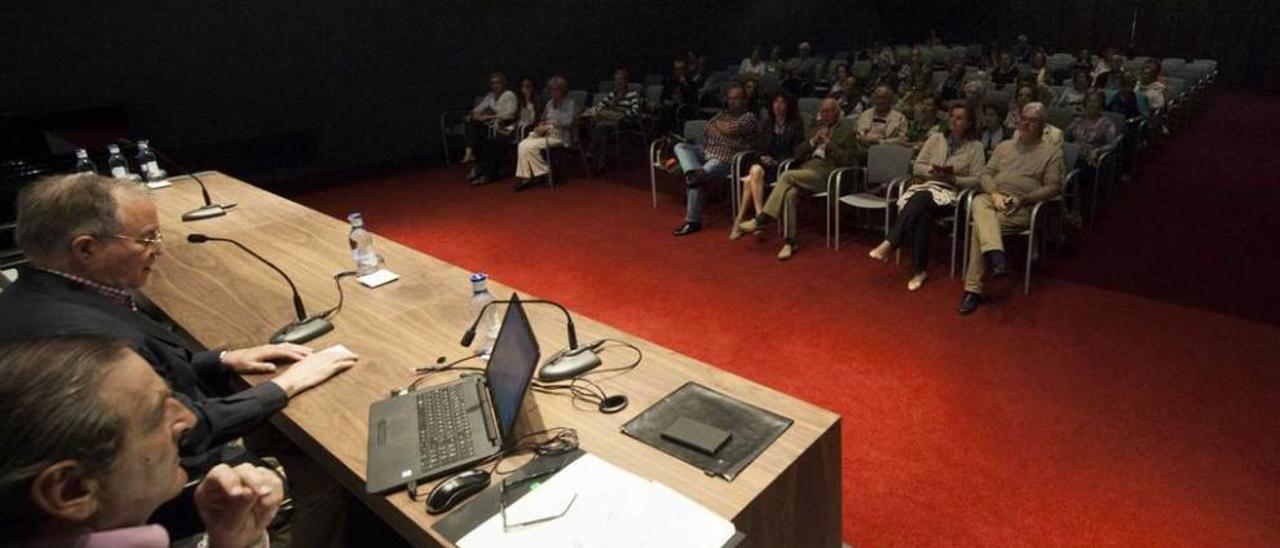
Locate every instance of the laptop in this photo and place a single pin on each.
(429, 433)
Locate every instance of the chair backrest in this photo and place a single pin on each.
(1070, 155)
(579, 98)
(887, 162)
(1172, 63)
(999, 97)
(652, 79)
(1174, 88)
(1061, 117)
(605, 86)
(695, 131)
(599, 96)
(938, 77)
(861, 69)
(809, 106)
(653, 95)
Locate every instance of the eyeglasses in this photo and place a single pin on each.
(514, 485)
(152, 240)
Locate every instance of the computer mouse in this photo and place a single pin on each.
(456, 489)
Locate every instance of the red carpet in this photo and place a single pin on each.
(1074, 416)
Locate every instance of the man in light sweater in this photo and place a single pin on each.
(1020, 173)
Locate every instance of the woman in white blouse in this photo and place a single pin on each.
(753, 65)
(947, 162)
(556, 128)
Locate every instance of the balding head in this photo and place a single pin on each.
(54, 210)
(882, 99)
(829, 112)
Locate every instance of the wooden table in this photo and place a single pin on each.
(790, 496)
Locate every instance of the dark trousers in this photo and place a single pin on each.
(914, 224)
(492, 153)
(601, 131)
(474, 133)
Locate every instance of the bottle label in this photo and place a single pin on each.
(120, 172)
(151, 168)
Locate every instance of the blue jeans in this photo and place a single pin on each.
(691, 158)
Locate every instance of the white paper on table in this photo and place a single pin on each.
(613, 508)
(155, 185)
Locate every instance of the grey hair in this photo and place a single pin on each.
(53, 210)
(1037, 109)
(51, 410)
(558, 82)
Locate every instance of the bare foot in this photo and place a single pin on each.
(916, 281)
(881, 252)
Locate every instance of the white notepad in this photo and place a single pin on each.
(611, 508)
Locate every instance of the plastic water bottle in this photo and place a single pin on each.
(83, 163)
(116, 162)
(147, 162)
(488, 326)
(367, 261)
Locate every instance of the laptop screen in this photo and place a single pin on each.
(511, 366)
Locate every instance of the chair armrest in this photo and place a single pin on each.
(896, 185)
(459, 114)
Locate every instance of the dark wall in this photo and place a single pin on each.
(364, 83)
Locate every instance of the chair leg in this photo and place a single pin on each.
(653, 183)
(1031, 250)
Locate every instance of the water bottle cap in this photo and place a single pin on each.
(479, 277)
(356, 219)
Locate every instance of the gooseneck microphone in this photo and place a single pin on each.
(305, 327)
(209, 209)
(567, 363)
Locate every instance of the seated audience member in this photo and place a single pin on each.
(1151, 86)
(1040, 68)
(948, 161)
(1022, 50)
(617, 108)
(839, 80)
(754, 64)
(1005, 72)
(782, 133)
(975, 91)
(881, 124)
(1024, 96)
(529, 100)
(480, 134)
(991, 127)
(1095, 133)
(679, 96)
(882, 73)
(951, 88)
(91, 437)
(910, 70)
(1108, 64)
(800, 71)
(732, 131)
(751, 96)
(1022, 172)
(925, 121)
(91, 241)
(556, 128)
(1083, 62)
(853, 99)
(831, 144)
(1073, 96)
(775, 65)
(1126, 101)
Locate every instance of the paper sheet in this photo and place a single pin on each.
(613, 508)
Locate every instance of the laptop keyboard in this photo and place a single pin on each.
(444, 433)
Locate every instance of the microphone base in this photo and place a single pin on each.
(207, 212)
(303, 331)
(569, 366)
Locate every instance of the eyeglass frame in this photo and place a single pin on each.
(152, 242)
(502, 500)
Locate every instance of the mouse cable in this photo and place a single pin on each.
(628, 367)
(421, 373)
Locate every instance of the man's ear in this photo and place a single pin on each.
(83, 248)
(63, 492)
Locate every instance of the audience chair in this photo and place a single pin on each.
(695, 131)
(605, 86)
(652, 80)
(888, 165)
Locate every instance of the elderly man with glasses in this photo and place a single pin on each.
(1020, 173)
(91, 241)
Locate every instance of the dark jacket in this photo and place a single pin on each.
(780, 145)
(42, 304)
